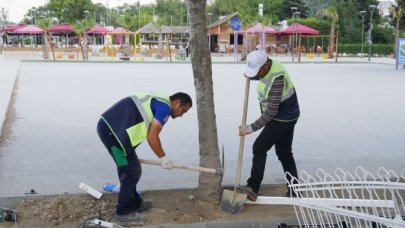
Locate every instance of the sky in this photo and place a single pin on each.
(17, 8)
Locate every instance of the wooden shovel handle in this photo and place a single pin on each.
(183, 166)
(242, 138)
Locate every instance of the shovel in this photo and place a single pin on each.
(233, 201)
(218, 171)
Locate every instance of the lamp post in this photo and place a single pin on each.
(293, 11)
(372, 7)
(362, 13)
(86, 13)
(33, 17)
(209, 17)
(139, 16)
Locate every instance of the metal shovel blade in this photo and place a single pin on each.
(232, 201)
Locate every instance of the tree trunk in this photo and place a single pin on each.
(396, 35)
(331, 39)
(85, 48)
(46, 51)
(208, 184)
(51, 44)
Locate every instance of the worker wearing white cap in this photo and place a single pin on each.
(280, 112)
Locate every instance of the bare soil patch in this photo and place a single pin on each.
(169, 207)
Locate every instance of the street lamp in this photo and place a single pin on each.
(86, 13)
(33, 17)
(372, 7)
(261, 9)
(209, 17)
(293, 11)
(362, 13)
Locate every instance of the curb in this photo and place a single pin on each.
(10, 69)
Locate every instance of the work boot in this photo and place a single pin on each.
(251, 194)
(130, 219)
(145, 205)
(291, 193)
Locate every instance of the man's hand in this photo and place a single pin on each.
(245, 130)
(166, 163)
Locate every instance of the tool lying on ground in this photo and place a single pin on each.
(217, 171)
(232, 201)
(7, 214)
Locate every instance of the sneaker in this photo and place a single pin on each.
(145, 205)
(130, 219)
(251, 194)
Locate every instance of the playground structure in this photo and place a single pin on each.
(109, 50)
(316, 48)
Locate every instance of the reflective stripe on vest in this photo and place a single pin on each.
(139, 132)
(265, 84)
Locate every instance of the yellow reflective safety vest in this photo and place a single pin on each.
(129, 119)
(289, 108)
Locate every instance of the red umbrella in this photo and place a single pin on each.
(11, 28)
(62, 28)
(99, 30)
(298, 28)
(29, 29)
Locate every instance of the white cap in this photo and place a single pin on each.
(255, 60)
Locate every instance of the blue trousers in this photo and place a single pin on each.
(128, 168)
(281, 135)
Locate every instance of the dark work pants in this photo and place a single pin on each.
(129, 171)
(281, 135)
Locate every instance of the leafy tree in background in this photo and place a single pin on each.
(171, 12)
(397, 12)
(314, 6)
(70, 10)
(331, 13)
(80, 28)
(45, 24)
(127, 22)
(349, 23)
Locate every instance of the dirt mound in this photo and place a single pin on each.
(169, 207)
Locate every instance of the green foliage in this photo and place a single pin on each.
(80, 27)
(44, 24)
(377, 49)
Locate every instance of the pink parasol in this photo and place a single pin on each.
(119, 29)
(259, 28)
(98, 30)
(11, 28)
(62, 28)
(119, 36)
(298, 28)
(29, 29)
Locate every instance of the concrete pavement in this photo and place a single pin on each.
(10, 64)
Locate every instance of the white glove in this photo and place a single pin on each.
(166, 163)
(245, 130)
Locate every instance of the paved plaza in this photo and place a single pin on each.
(352, 114)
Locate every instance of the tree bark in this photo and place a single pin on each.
(208, 184)
(396, 34)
